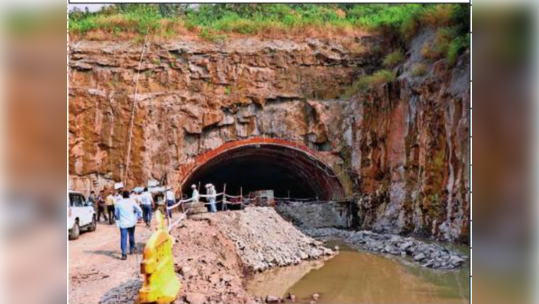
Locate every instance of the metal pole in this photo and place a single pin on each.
(224, 198)
(241, 198)
(181, 197)
(166, 207)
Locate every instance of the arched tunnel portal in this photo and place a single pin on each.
(264, 164)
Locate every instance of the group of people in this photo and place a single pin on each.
(125, 208)
(105, 205)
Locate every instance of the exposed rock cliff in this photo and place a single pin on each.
(193, 96)
(411, 152)
(403, 146)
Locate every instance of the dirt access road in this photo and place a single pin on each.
(212, 272)
(95, 269)
(214, 253)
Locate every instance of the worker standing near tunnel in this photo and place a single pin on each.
(147, 205)
(212, 196)
(171, 200)
(195, 195)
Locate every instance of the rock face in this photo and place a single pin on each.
(411, 152)
(317, 215)
(193, 96)
(402, 148)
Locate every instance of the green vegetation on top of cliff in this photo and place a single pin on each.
(212, 21)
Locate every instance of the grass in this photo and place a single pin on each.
(217, 22)
(251, 19)
(378, 78)
(419, 70)
(212, 36)
(456, 47)
(446, 44)
(393, 59)
(439, 47)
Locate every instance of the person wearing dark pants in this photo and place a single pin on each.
(127, 213)
(101, 206)
(147, 214)
(171, 200)
(147, 205)
(110, 202)
(124, 233)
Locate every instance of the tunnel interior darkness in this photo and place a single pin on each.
(267, 167)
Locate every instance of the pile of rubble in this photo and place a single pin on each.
(263, 239)
(427, 255)
(215, 252)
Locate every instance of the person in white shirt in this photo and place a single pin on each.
(212, 196)
(171, 200)
(118, 197)
(147, 204)
(195, 196)
(134, 196)
(127, 213)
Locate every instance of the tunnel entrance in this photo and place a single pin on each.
(285, 169)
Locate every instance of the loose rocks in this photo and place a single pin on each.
(427, 255)
(264, 240)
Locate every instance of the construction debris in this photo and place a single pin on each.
(263, 239)
(217, 252)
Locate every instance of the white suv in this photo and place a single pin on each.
(81, 215)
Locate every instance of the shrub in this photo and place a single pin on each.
(302, 19)
(440, 46)
(379, 78)
(438, 15)
(394, 58)
(419, 70)
(408, 28)
(457, 46)
(211, 36)
(376, 79)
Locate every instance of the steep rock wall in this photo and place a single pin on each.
(402, 148)
(411, 152)
(193, 96)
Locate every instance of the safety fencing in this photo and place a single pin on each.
(243, 202)
(177, 222)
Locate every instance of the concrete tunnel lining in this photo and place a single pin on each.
(267, 166)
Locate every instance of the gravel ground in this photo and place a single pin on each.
(96, 273)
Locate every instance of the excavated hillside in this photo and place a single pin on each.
(399, 150)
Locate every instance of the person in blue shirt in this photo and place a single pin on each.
(127, 214)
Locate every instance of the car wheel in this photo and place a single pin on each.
(93, 225)
(75, 231)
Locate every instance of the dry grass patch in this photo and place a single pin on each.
(440, 46)
(419, 70)
(365, 82)
(439, 15)
(393, 59)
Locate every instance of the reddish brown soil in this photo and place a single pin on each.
(211, 270)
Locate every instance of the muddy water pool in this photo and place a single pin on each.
(355, 276)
